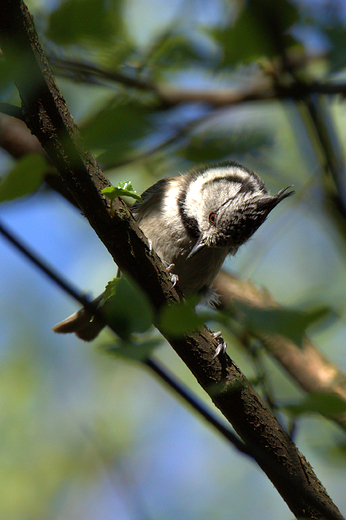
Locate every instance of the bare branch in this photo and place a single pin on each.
(260, 88)
(11, 110)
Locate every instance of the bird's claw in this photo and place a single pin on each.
(174, 277)
(222, 345)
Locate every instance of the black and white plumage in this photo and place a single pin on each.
(193, 221)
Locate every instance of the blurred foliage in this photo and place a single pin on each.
(325, 403)
(24, 178)
(263, 30)
(133, 73)
(127, 308)
(181, 319)
(291, 323)
(115, 130)
(84, 21)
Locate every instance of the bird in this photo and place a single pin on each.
(193, 221)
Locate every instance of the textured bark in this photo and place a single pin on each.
(48, 118)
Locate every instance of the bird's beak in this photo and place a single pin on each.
(200, 244)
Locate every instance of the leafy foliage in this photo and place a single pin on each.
(180, 318)
(259, 31)
(127, 308)
(134, 350)
(325, 403)
(337, 38)
(210, 146)
(114, 130)
(290, 323)
(92, 21)
(24, 178)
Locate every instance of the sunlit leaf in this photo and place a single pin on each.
(26, 177)
(123, 189)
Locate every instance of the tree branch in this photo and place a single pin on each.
(11, 110)
(260, 88)
(48, 118)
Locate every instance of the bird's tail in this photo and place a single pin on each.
(82, 323)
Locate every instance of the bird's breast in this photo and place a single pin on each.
(198, 272)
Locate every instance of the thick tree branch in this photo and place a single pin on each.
(48, 118)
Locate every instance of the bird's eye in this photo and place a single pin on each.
(212, 218)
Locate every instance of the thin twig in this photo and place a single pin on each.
(196, 404)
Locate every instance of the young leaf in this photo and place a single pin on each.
(26, 177)
(124, 189)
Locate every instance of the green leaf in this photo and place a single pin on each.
(84, 20)
(210, 147)
(115, 130)
(133, 351)
(174, 51)
(124, 189)
(26, 177)
(289, 323)
(260, 30)
(337, 37)
(127, 308)
(8, 69)
(326, 403)
(180, 318)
